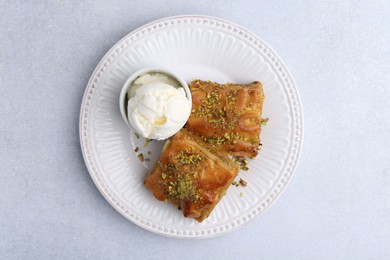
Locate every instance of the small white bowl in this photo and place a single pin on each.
(129, 82)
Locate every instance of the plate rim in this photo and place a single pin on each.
(84, 115)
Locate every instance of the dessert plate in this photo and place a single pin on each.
(195, 47)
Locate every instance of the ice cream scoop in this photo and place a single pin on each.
(155, 103)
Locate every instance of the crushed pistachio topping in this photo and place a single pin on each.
(209, 104)
(231, 97)
(185, 158)
(214, 114)
(264, 121)
(183, 189)
(149, 152)
(241, 182)
(228, 138)
(140, 157)
(180, 178)
(224, 115)
(136, 135)
(147, 160)
(136, 149)
(242, 162)
(147, 141)
(235, 183)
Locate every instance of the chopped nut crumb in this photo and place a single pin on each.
(187, 158)
(147, 160)
(235, 183)
(242, 162)
(136, 149)
(140, 157)
(243, 183)
(264, 121)
(136, 135)
(147, 141)
(182, 186)
(214, 114)
(149, 152)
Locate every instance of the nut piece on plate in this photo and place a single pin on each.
(227, 116)
(191, 174)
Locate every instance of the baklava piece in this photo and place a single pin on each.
(191, 174)
(227, 116)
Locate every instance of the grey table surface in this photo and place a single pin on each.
(337, 205)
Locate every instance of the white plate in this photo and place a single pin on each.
(193, 47)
